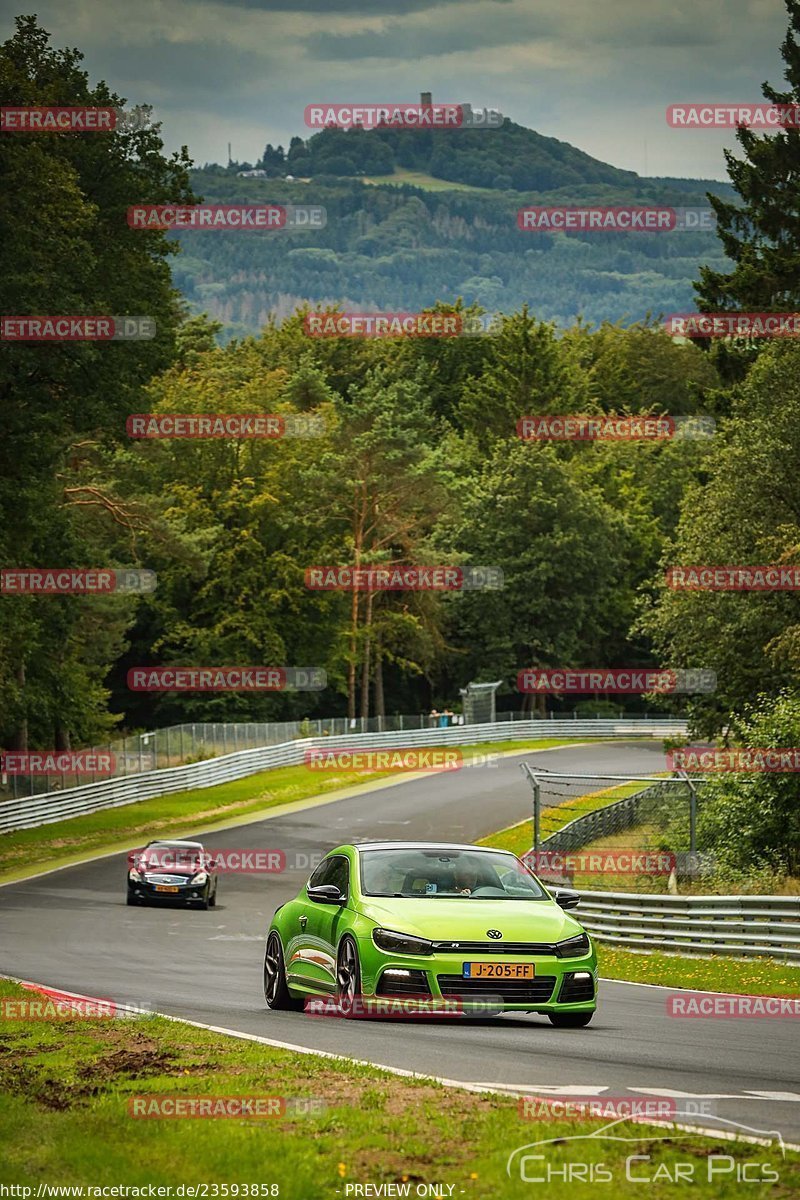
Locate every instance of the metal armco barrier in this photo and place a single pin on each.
(112, 793)
(742, 926)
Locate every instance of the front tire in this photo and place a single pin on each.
(348, 977)
(276, 993)
(570, 1020)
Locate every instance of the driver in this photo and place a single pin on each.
(466, 878)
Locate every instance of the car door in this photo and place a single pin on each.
(311, 955)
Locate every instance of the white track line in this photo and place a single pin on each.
(490, 1088)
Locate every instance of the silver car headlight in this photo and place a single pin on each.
(400, 943)
(134, 875)
(200, 877)
(574, 947)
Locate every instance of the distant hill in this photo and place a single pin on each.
(508, 158)
(394, 245)
(504, 158)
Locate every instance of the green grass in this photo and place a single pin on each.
(67, 1085)
(422, 180)
(26, 850)
(519, 838)
(753, 977)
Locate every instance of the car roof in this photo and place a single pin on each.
(173, 842)
(425, 846)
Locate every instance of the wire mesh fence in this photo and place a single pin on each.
(616, 832)
(196, 741)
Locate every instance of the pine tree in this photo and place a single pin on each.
(762, 236)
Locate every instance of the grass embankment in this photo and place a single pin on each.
(735, 976)
(519, 838)
(69, 1085)
(421, 179)
(715, 974)
(26, 850)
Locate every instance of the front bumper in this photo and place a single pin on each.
(559, 984)
(187, 893)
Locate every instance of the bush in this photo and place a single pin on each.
(751, 821)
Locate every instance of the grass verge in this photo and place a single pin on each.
(760, 977)
(26, 850)
(519, 838)
(421, 179)
(69, 1084)
(735, 976)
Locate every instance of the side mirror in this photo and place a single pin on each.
(325, 893)
(566, 899)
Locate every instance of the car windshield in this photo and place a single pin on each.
(432, 873)
(169, 857)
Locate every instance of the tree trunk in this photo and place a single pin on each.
(380, 703)
(365, 663)
(359, 516)
(351, 666)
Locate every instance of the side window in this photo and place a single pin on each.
(335, 870)
(340, 876)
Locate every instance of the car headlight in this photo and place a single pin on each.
(574, 947)
(134, 875)
(200, 877)
(400, 943)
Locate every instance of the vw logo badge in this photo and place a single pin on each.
(493, 933)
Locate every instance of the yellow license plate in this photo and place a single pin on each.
(501, 970)
(162, 887)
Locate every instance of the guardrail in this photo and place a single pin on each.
(113, 793)
(743, 926)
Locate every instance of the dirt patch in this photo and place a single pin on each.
(131, 1064)
(54, 1094)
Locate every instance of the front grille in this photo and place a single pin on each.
(413, 984)
(496, 947)
(170, 879)
(574, 990)
(511, 991)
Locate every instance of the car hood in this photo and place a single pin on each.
(181, 870)
(468, 920)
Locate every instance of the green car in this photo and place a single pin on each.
(434, 926)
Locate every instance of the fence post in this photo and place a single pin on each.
(537, 808)
(537, 803)
(692, 813)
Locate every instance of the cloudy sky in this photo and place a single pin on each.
(596, 73)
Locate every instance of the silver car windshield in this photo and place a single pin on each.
(464, 874)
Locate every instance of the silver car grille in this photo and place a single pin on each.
(166, 878)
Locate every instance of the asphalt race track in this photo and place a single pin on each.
(71, 929)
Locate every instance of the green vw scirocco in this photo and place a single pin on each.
(432, 927)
